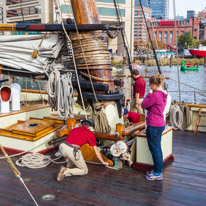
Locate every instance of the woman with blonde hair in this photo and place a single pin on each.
(154, 103)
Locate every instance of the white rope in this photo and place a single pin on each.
(176, 116)
(53, 89)
(36, 160)
(125, 92)
(75, 66)
(65, 95)
(27, 190)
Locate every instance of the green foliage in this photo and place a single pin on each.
(203, 42)
(117, 63)
(186, 40)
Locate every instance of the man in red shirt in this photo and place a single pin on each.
(138, 92)
(70, 150)
(133, 117)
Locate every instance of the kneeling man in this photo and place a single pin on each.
(70, 149)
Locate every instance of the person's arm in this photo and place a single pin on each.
(136, 99)
(99, 156)
(148, 101)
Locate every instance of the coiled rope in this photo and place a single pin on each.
(65, 96)
(176, 116)
(186, 111)
(101, 123)
(53, 89)
(36, 160)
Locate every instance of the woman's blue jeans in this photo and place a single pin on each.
(154, 135)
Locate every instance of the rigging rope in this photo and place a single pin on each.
(53, 89)
(65, 96)
(159, 70)
(178, 69)
(186, 113)
(101, 123)
(16, 172)
(75, 66)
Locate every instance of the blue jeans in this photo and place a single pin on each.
(154, 135)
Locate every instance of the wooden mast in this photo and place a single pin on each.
(94, 45)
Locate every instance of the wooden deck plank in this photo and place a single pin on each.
(184, 182)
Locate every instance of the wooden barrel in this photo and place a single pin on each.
(94, 54)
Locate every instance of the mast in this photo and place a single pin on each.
(98, 60)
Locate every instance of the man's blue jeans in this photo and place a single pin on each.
(154, 135)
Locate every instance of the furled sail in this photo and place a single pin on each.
(16, 50)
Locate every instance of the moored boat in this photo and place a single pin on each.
(198, 52)
(189, 67)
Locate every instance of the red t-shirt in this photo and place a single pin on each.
(139, 87)
(133, 117)
(80, 136)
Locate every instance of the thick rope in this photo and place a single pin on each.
(186, 113)
(65, 96)
(36, 161)
(52, 89)
(75, 66)
(176, 116)
(101, 123)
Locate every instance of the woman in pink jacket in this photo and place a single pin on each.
(154, 103)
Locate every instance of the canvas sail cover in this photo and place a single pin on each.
(16, 50)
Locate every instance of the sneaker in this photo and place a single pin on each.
(61, 174)
(149, 172)
(154, 177)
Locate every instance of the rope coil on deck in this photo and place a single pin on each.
(176, 116)
(36, 160)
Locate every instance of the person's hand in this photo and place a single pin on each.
(136, 106)
(106, 164)
(151, 91)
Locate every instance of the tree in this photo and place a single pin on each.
(186, 40)
(161, 44)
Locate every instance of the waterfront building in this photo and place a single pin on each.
(164, 30)
(140, 31)
(1, 12)
(190, 14)
(43, 11)
(199, 28)
(160, 8)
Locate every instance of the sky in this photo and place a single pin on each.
(183, 5)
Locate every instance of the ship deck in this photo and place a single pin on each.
(184, 182)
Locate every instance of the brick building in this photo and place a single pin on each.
(164, 30)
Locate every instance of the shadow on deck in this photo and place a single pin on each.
(184, 182)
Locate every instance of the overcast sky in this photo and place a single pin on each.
(183, 5)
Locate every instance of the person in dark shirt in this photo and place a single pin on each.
(138, 92)
(70, 150)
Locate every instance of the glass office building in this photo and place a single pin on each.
(160, 8)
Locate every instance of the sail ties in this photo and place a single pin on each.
(101, 123)
(53, 88)
(65, 96)
(60, 94)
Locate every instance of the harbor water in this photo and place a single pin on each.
(192, 83)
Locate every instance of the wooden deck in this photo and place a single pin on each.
(184, 182)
